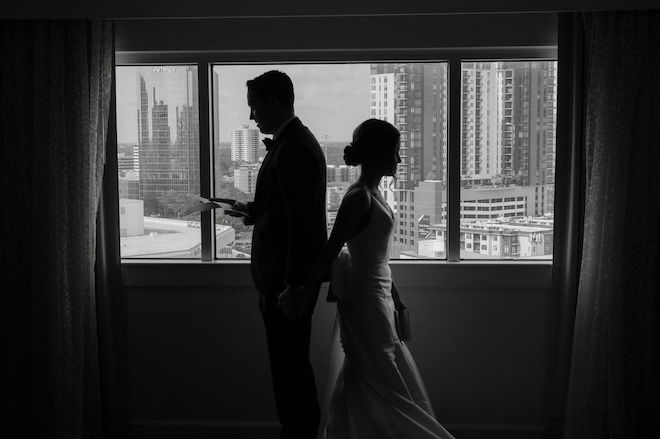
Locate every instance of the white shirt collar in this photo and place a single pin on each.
(281, 128)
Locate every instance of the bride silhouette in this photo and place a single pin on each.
(379, 392)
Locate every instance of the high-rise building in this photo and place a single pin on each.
(508, 123)
(508, 120)
(534, 123)
(245, 144)
(142, 110)
(485, 92)
(420, 115)
(168, 145)
(382, 101)
(187, 135)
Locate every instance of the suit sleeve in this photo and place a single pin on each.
(299, 177)
(251, 211)
(250, 208)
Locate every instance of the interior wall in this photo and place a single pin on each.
(197, 359)
(337, 33)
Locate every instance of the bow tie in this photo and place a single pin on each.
(268, 142)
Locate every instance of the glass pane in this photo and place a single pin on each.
(158, 152)
(332, 99)
(508, 121)
(420, 114)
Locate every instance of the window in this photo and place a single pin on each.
(351, 101)
(508, 166)
(159, 144)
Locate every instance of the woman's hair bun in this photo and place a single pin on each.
(351, 155)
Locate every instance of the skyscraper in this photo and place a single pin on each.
(420, 115)
(508, 120)
(485, 93)
(169, 169)
(508, 123)
(534, 123)
(142, 112)
(382, 96)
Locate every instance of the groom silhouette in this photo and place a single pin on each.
(288, 213)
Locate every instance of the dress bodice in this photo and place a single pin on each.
(372, 244)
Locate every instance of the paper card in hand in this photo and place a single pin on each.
(200, 207)
(232, 212)
(206, 204)
(229, 201)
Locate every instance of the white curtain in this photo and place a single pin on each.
(614, 386)
(55, 83)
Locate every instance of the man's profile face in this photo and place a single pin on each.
(261, 112)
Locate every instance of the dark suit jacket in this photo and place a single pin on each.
(288, 210)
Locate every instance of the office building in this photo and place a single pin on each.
(245, 144)
(168, 137)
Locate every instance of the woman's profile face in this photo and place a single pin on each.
(396, 159)
(387, 161)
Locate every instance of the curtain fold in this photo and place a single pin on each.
(569, 211)
(109, 294)
(614, 386)
(55, 82)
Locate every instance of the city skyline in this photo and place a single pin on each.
(331, 99)
(508, 120)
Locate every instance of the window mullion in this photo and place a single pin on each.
(205, 159)
(454, 161)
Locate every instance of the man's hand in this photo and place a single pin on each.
(294, 301)
(240, 210)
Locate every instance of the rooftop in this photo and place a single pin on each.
(167, 238)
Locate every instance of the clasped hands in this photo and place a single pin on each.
(294, 301)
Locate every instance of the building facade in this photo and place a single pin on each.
(245, 178)
(420, 115)
(245, 144)
(508, 121)
(168, 137)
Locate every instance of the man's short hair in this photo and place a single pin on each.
(274, 84)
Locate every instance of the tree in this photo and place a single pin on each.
(173, 203)
(152, 205)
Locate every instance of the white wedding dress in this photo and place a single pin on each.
(378, 391)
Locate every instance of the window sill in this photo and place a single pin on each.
(466, 274)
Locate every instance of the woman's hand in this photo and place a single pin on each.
(294, 301)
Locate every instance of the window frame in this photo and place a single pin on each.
(454, 57)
